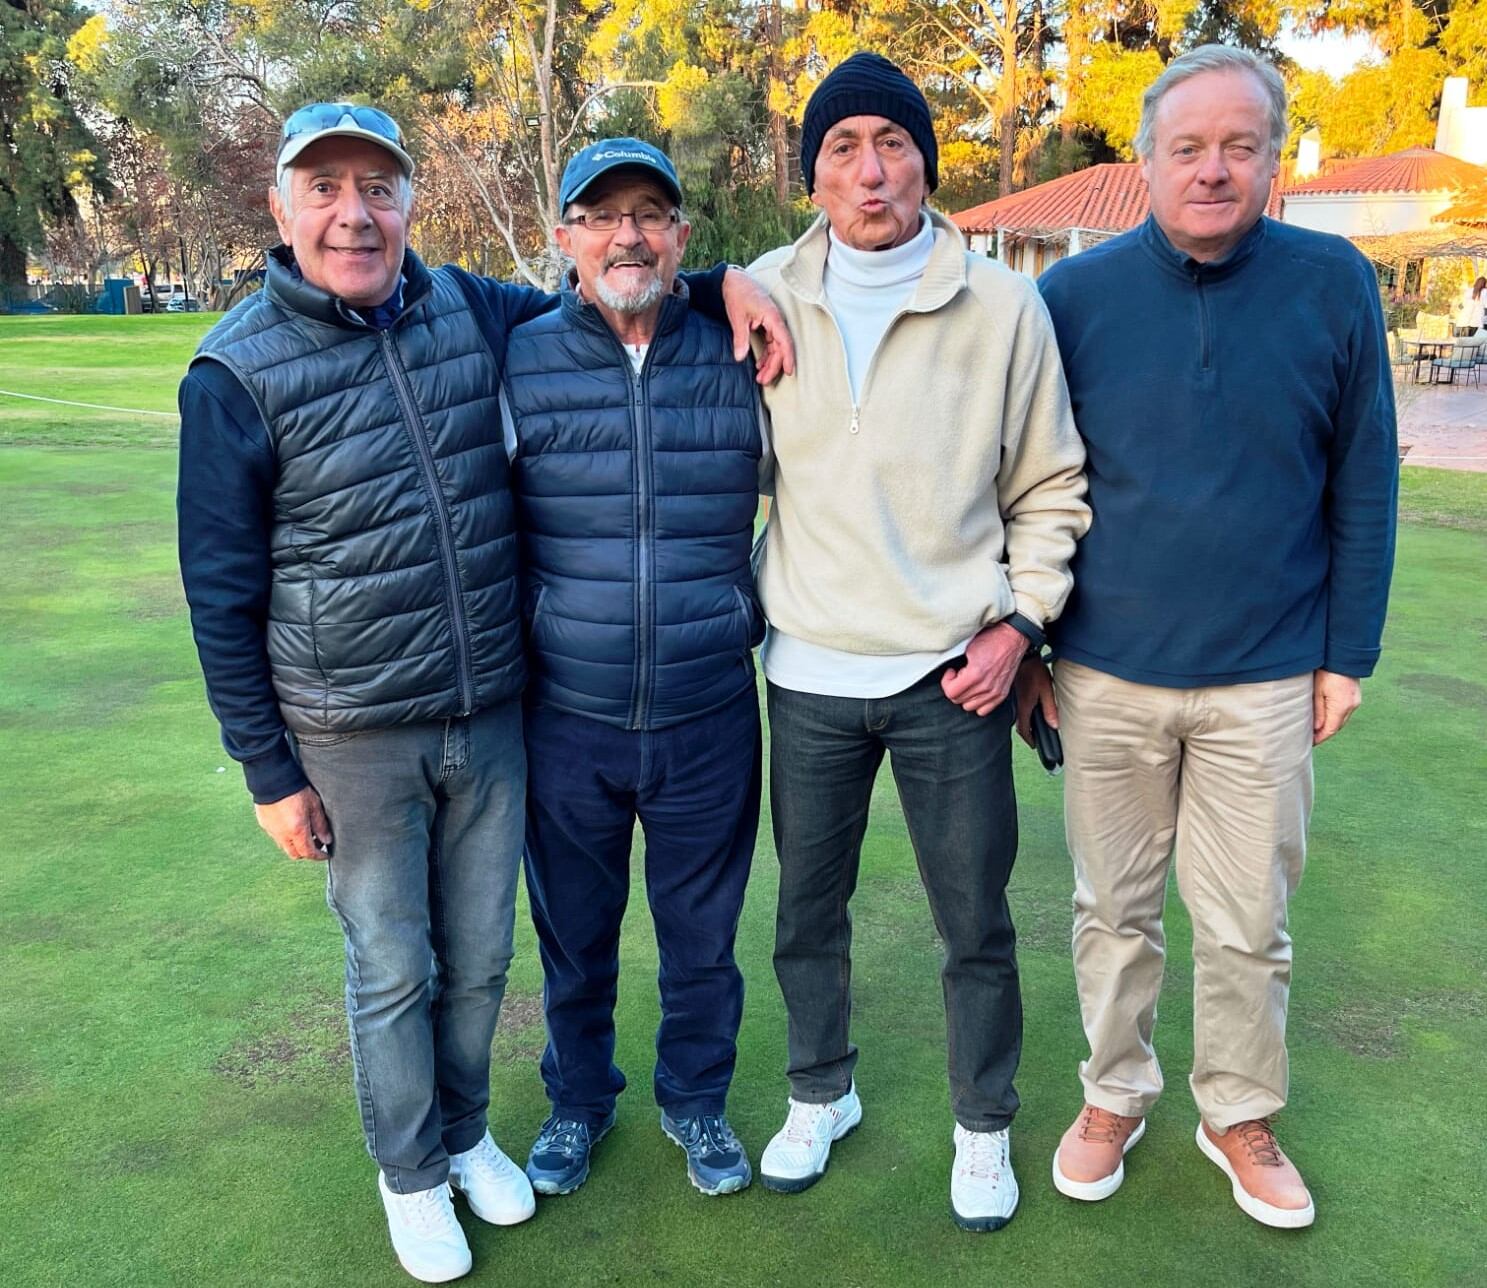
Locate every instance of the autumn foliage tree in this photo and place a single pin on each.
(497, 94)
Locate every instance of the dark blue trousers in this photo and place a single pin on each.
(695, 789)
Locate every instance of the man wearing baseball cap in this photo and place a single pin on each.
(635, 443)
(928, 493)
(348, 548)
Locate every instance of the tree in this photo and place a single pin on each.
(1376, 108)
(46, 152)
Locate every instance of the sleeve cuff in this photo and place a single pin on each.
(1344, 659)
(1026, 626)
(274, 775)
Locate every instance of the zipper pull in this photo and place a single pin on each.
(854, 419)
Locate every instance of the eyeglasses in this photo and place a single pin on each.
(649, 219)
(324, 116)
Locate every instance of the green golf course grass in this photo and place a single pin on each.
(175, 1099)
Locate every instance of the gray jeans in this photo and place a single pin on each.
(954, 776)
(427, 820)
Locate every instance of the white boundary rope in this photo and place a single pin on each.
(63, 402)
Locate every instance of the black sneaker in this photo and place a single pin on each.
(716, 1162)
(559, 1161)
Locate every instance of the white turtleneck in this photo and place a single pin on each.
(866, 288)
(865, 291)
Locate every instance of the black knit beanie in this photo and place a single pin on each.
(867, 85)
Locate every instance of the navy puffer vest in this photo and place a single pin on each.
(637, 496)
(394, 592)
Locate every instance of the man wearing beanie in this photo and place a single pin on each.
(928, 492)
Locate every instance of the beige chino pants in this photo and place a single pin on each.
(1222, 777)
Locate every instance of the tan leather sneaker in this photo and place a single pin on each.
(1266, 1184)
(1089, 1163)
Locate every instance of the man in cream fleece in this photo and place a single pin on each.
(928, 491)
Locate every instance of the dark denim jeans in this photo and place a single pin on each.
(695, 789)
(427, 820)
(954, 777)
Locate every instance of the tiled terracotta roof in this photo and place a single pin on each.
(1470, 209)
(1413, 170)
(1110, 197)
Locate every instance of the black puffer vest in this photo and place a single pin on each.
(637, 495)
(394, 548)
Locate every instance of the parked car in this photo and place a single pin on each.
(166, 299)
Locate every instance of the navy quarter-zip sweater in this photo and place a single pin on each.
(1243, 459)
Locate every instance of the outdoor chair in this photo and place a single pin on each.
(1399, 356)
(1465, 361)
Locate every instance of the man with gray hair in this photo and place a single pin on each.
(635, 445)
(1227, 601)
(348, 548)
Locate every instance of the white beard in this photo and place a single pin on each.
(637, 300)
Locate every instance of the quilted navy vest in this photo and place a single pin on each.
(636, 495)
(394, 592)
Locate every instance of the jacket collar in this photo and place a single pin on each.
(804, 268)
(1179, 263)
(581, 313)
(284, 285)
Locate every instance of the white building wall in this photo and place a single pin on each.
(1461, 131)
(1372, 214)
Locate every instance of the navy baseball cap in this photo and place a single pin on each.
(614, 154)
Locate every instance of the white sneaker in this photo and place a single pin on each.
(496, 1189)
(983, 1190)
(796, 1158)
(425, 1234)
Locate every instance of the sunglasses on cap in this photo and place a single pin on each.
(315, 117)
(323, 120)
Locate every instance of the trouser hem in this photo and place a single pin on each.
(589, 1117)
(996, 1122)
(1232, 1115)
(817, 1095)
(464, 1139)
(695, 1106)
(1125, 1106)
(413, 1180)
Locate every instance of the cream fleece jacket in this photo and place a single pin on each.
(952, 494)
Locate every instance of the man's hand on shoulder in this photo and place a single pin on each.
(992, 658)
(750, 309)
(297, 825)
(1334, 698)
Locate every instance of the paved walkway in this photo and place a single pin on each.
(1444, 425)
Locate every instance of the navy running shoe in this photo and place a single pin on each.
(716, 1162)
(559, 1161)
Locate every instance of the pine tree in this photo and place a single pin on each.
(46, 152)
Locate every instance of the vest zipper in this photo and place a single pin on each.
(413, 421)
(644, 518)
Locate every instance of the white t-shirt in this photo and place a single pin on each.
(865, 291)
